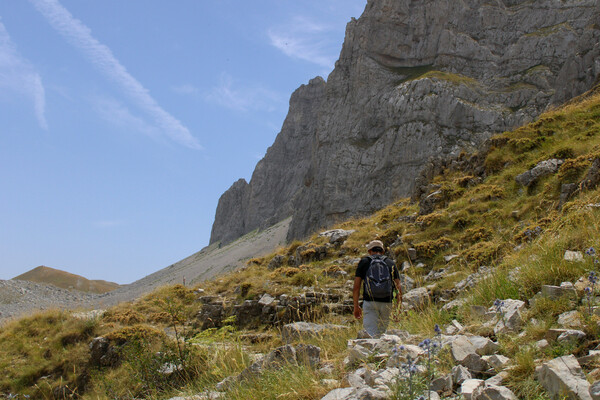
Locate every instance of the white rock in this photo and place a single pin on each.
(556, 292)
(493, 392)
(450, 257)
(89, 315)
(497, 379)
(563, 376)
(571, 335)
(576, 256)
(469, 386)
(327, 369)
(496, 361)
(431, 395)
(357, 354)
(443, 384)
(511, 319)
(460, 374)
(542, 344)
(460, 348)
(369, 344)
(329, 383)
(454, 303)
(475, 363)
(304, 330)
(454, 327)
(569, 319)
(340, 394)
(386, 377)
(368, 393)
(266, 300)
(483, 346)
(595, 390)
(415, 299)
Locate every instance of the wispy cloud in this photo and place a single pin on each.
(305, 40)
(18, 76)
(102, 58)
(118, 114)
(186, 89)
(244, 98)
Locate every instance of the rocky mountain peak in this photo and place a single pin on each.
(415, 80)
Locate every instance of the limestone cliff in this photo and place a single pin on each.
(278, 177)
(415, 79)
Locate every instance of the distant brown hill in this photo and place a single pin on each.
(66, 280)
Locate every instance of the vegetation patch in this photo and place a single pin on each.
(430, 248)
(572, 169)
(477, 234)
(434, 218)
(482, 253)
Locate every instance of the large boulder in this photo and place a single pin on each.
(563, 377)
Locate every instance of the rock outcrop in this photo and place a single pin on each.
(415, 80)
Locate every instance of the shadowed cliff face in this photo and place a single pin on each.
(278, 177)
(415, 80)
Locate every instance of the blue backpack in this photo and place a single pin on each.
(378, 280)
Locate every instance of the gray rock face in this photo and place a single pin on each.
(278, 177)
(415, 80)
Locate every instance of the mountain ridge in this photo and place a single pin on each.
(66, 280)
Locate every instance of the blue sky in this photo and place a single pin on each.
(122, 122)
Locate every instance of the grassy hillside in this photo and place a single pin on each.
(66, 280)
(480, 215)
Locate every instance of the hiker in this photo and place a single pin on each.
(379, 276)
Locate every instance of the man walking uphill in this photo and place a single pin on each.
(379, 277)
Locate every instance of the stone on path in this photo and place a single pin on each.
(305, 330)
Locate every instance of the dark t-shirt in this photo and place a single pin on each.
(361, 272)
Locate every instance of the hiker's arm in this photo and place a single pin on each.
(355, 296)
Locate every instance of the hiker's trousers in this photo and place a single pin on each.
(376, 317)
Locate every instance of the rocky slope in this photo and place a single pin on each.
(18, 298)
(415, 80)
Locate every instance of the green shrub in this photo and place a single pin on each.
(304, 278)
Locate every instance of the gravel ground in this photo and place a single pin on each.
(23, 297)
